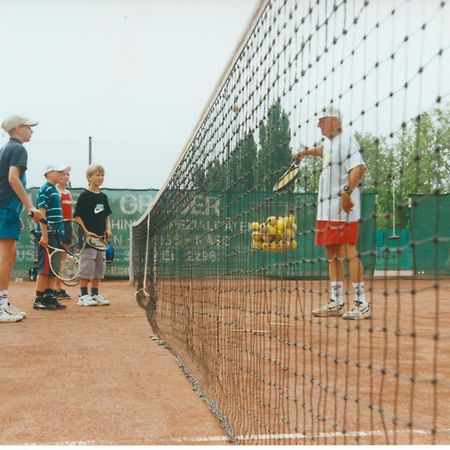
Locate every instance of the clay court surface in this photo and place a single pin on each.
(92, 375)
(301, 379)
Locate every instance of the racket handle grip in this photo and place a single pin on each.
(34, 232)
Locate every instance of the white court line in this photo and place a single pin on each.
(249, 331)
(285, 324)
(257, 437)
(266, 437)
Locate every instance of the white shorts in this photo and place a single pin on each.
(92, 264)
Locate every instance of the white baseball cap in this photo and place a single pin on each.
(55, 166)
(331, 111)
(14, 121)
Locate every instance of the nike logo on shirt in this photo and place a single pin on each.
(99, 209)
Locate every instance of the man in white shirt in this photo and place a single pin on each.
(339, 213)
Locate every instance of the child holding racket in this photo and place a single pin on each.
(66, 204)
(92, 212)
(338, 214)
(48, 233)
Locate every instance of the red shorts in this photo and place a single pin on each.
(336, 233)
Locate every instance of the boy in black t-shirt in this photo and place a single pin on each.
(92, 212)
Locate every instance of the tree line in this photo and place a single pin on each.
(413, 161)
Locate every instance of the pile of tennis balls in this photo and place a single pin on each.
(276, 234)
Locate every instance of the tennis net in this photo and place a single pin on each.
(229, 272)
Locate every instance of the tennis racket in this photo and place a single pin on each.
(289, 176)
(74, 282)
(80, 238)
(76, 238)
(64, 257)
(96, 242)
(63, 264)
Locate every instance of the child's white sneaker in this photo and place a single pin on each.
(17, 311)
(86, 300)
(7, 315)
(100, 300)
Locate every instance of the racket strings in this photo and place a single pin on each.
(97, 242)
(286, 179)
(63, 265)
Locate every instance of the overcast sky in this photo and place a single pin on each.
(133, 74)
(136, 74)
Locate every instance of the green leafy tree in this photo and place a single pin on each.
(416, 161)
(275, 152)
(424, 157)
(380, 174)
(308, 178)
(240, 167)
(234, 173)
(215, 176)
(198, 176)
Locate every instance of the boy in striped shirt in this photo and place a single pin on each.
(49, 204)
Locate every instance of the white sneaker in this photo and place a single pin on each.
(358, 312)
(331, 309)
(7, 315)
(86, 300)
(100, 300)
(17, 311)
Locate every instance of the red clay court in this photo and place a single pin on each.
(91, 375)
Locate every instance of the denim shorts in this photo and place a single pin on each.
(9, 224)
(43, 261)
(67, 230)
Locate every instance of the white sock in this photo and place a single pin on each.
(360, 293)
(337, 292)
(4, 298)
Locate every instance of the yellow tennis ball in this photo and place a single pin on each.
(294, 227)
(265, 246)
(254, 226)
(257, 245)
(280, 224)
(294, 244)
(288, 222)
(288, 234)
(272, 220)
(257, 236)
(274, 246)
(266, 237)
(272, 230)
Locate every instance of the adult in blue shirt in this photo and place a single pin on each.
(13, 164)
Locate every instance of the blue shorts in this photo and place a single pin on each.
(9, 224)
(67, 233)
